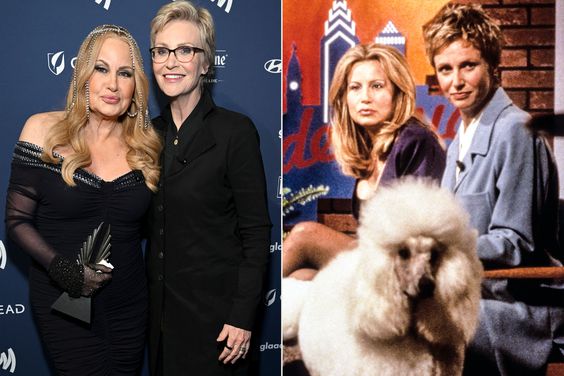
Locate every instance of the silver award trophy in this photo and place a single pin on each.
(94, 251)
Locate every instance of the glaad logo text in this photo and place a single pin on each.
(270, 346)
(2, 255)
(220, 3)
(12, 309)
(275, 247)
(8, 361)
(106, 3)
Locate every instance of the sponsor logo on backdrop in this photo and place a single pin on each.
(221, 3)
(106, 3)
(212, 80)
(8, 360)
(275, 247)
(12, 309)
(3, 255)
(270, 298)
(56, 62)
(220, 60)
(273, 66)
(270, 346)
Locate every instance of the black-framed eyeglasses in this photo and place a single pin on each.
(184, 54)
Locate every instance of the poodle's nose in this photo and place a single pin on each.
(426, 288)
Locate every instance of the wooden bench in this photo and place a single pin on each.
(547, 272)
(553, 369)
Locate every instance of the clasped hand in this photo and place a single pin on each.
(237, 342)
(95, 276)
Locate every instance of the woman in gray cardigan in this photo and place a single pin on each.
(507, 180)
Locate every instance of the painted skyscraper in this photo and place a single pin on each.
(294, 83)
(339, 36)
(390, 36)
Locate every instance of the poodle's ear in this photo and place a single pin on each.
(462, 299)
(452, 315)
(379, 310)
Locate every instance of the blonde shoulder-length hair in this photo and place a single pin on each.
(138, 134)
(355, 149)
(182, 10)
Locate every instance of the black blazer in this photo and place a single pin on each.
(209, 238)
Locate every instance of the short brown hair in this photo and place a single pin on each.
(468, 22)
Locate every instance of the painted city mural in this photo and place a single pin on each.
(314, 40)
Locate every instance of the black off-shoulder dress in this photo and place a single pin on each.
(45, 216)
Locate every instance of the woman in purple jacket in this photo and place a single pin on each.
(375, 138)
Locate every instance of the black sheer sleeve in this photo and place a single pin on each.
(21, 204)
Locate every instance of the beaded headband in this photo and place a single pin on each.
(91, 39)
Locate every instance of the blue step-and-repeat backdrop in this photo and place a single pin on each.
(39, 41)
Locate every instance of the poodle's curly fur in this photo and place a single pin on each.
(404, 302)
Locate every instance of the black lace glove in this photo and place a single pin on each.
(77, 279)
(68, 274)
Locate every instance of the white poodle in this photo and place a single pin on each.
(404, 302)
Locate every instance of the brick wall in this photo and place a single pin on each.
(336, 213)
(527, 60)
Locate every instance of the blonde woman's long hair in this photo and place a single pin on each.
(355, 149)
(138, 134)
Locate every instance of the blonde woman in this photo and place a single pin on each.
(375, 139)
(72, 170)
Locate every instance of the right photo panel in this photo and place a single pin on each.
(420, 189)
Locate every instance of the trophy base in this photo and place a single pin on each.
(78, 308)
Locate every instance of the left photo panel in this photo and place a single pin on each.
(141, 188)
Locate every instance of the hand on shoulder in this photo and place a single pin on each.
(37, 126)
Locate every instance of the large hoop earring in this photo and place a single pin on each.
(132, 115)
